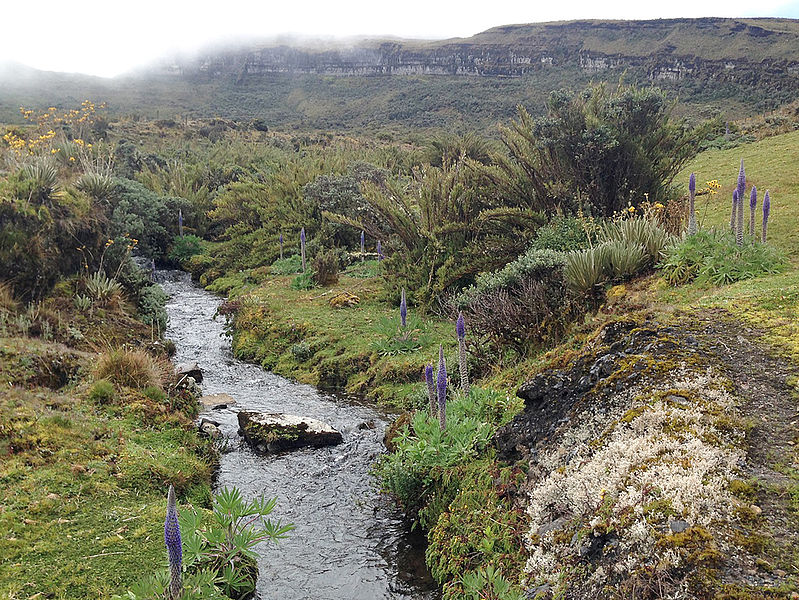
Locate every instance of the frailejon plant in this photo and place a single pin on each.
(302, 248)
(174, 545)
(441, 385)
(766, 211)
(431, 390)
(752, 208)
(460, 331)
(691, 211)
(403, 310)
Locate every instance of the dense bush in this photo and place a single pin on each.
(525, 304)
(603, 149)
(184, 247)
(325, 268)
(564, 233)
(712, 257)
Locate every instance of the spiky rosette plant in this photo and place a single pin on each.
(431, 390)
(441, 385)
(766, 211)
(734, 210)
(752, 208)
(691, 211)
(363, 245)
(174, 545)
(460, 330)
(281, 246)
(403, 310)
(302, 247)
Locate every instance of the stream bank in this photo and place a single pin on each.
(349, 541)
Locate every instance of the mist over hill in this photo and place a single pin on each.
(727, 67)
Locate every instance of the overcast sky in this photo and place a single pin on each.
(101, 37)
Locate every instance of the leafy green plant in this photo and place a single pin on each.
(200, 585)
(625, 259)
(564, 233)
(712, 257)
(82, 302)
(101, 288)
(395, 339)
(303, 281)
(184, 247)
(225, 545)
(489, 584)
(96, 185)
(301, 351)
(586, 269)
(291, 265)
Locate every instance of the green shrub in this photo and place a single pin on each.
(712, 257)
(564, 234)
(184, 247)
(525, 304)
(151, 306)
(102, 392)
(291, 265)
(303, 281)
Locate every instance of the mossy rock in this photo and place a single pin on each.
(269, 432)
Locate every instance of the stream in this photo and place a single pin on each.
(350, 542)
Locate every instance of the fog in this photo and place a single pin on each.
(110, 38)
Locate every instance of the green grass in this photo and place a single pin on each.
(83, 476)
(770, 165)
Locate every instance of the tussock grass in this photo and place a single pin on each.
(129, 368)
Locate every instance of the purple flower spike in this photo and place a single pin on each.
(404, 310)
(174, 544)
(441, 384)
(379, 251)
(460, 327)
(281, 239)
(692, 183)
(463, 367)
(431, 390)
(741, 181)
(766, 211)
(302, 235)
(752, 207)
(734, 210)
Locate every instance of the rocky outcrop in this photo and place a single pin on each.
(274, 432)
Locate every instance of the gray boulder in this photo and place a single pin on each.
(190, 370)
(271, 432)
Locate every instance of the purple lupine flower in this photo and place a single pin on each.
(691, 211)
(460, 327)
(431, 390)
(752, 207)
(739, 226)
(463, 366)
(404, 310)
(734, 210)
(174, 544)
(302, 247)
(363, 247)
(741, 181)
(180, 221)
(379, 251)
(766, 211)
(281, 246)
(441, 384)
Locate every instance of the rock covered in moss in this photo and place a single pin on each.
(276, 432)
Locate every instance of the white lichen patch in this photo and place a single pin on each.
(649, 460)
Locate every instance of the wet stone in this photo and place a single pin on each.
(217, 401)
(276, 432)
(190, 370)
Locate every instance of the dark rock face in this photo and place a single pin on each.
(268, 432)
(624, 355)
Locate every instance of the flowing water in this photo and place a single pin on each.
(349, 542)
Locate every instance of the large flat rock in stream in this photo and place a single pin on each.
(275, 432)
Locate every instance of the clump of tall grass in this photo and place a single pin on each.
(129, 368)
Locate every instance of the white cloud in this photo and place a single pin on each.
(109, 37)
